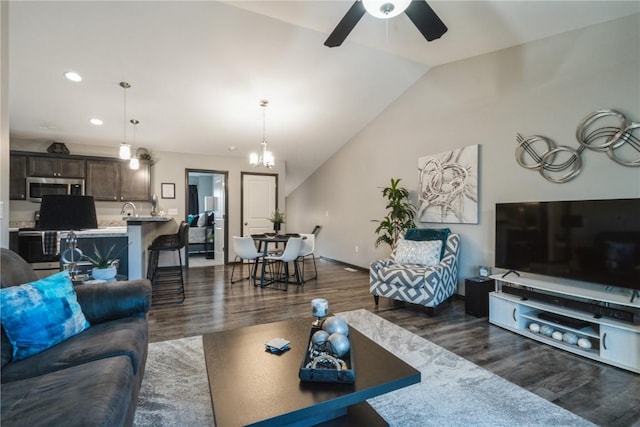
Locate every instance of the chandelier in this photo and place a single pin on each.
(125, 149)
(265, 157)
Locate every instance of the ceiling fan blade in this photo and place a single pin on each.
(346, 24)
(426, 20)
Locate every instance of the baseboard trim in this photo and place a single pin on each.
(355, 267)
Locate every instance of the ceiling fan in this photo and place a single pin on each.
(420, 13)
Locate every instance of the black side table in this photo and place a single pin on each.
(476, 300)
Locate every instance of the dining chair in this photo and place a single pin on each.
(306, 250)
(290, 254)
(245, 250)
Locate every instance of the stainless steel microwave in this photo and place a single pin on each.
(38, 187)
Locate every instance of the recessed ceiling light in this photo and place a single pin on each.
(96, 122)
(73, 76)
(232, 148)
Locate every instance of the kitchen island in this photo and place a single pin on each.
(137, 235)
(141, 231)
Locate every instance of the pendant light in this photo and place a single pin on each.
(134, 163)
(265, 158)
(125, 149)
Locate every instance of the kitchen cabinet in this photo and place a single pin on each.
(57, 167)
(103, 180)
(113, 180)
(18, 177)
(135, 185)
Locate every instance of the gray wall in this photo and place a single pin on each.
(545, 87)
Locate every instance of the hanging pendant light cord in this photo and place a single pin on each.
(125, 113)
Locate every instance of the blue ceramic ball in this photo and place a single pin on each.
(546, 330)
(570, 338)
(319, 339)
(336, 324)
(339, 344)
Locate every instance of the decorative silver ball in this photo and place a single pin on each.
(557, 335)
(339, 344)
(546, 330)
(534, 327)
(335, 324)
(582, 342)
(570, 338)
(319, 339)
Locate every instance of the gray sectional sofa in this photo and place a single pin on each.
(90, 379)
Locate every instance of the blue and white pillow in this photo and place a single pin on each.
(40, 314)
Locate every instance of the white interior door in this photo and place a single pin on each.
(259, 195)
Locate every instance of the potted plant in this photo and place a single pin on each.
(277, 218)
(400, 214)
(104, 265)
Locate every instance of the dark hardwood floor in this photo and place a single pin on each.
(600, 393)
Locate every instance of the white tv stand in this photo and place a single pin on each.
(612, 341)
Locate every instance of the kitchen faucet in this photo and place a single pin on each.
(129, 205)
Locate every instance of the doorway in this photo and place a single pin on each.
(259, 201)
(206, 211)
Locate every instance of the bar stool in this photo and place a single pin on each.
(167, 281)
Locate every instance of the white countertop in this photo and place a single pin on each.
(147, 218)
(99, 232)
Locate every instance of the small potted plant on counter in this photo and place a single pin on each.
(277, 218)
(105, 266)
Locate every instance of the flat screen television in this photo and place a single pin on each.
(594, 241)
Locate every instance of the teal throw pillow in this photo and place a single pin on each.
(422, 234)
(40, 314)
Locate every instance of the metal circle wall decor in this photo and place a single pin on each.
(607, 131)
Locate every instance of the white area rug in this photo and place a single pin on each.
(453, 391)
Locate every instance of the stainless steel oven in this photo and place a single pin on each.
(38, 187)
(31, 249)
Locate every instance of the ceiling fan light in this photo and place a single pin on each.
(385, 9)
(125, 151)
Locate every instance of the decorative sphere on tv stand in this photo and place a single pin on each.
(584, 343)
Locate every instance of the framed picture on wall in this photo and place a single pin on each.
(448, 186)
(168, 190)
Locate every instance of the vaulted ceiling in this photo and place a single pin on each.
(199, 69)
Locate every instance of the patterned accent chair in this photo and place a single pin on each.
(428, 285)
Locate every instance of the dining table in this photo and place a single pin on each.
(264, 242)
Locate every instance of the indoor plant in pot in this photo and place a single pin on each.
(277, 218)
(104, 264)
(400, 214)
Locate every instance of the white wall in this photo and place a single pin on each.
(546, 87)
(4, 124)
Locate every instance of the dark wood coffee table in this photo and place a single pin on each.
(250, 386)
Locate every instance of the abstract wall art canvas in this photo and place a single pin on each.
(448, 186)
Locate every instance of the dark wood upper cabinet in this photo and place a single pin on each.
(103, 180)
(113, 180)
(135, 185)
(57, 167)
(18, 177)
(106, 179)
